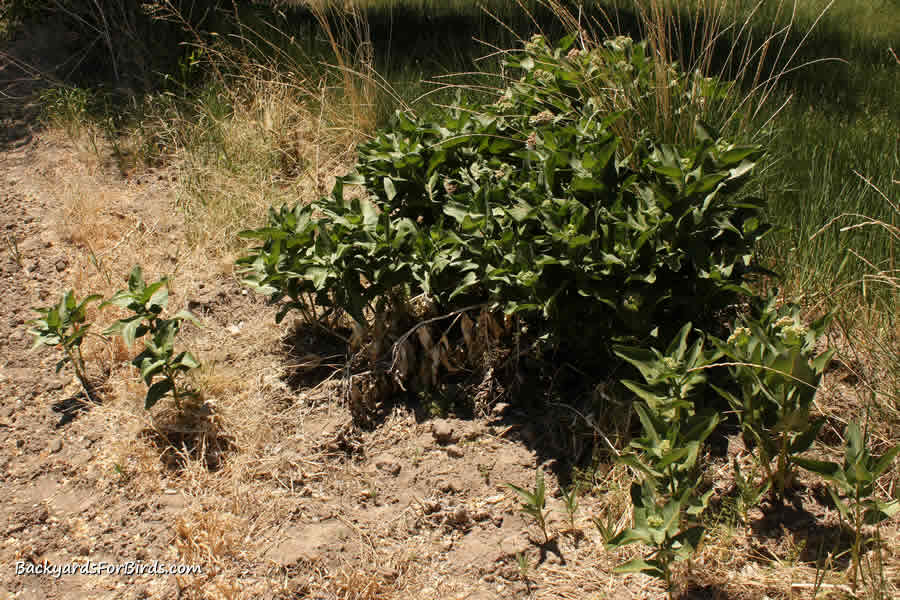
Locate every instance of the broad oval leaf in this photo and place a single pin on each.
(156, 392)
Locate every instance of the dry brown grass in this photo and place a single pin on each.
(269, 131)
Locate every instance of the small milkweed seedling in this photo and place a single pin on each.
(14, 251)
(147, 302)
(856, 479)
(570, 503)
(65, 326)
(749, 493)
(534, 503)
(524, 566)
(485, 471)
(605, 527)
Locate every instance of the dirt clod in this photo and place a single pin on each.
(388, 466)
(443, 432)
(454, 451)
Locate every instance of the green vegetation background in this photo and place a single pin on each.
(837, 123)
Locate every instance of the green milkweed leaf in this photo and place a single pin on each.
(639, 565)
(156, 392)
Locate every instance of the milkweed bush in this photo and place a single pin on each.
(602, 236)
(547, 204)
